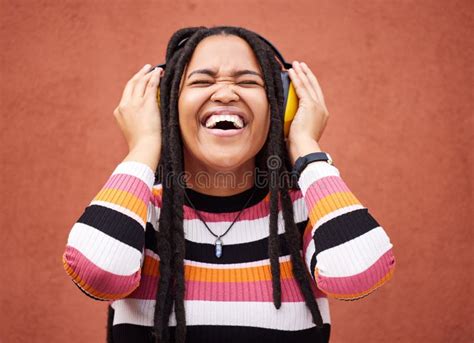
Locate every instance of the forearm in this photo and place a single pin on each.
(105, 246)
(348, 253)
(302, 146)
(145, 152)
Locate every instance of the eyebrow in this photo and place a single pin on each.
(214, 73)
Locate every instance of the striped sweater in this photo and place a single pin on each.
(111, 256)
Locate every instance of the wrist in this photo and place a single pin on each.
(146, 153)
(313, 157)
(301, 147)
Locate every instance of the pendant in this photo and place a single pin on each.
(218, 244)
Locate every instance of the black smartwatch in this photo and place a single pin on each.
(303, 161)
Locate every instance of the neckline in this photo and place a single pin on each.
(221, 204)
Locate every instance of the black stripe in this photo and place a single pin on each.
(150, 238)
(302, 226)
(114, 224)
(342, 229)
(129, 333)
(234, 253)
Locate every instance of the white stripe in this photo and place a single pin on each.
(291, 316)
(308, 254)
(315, 171)
(243, 231)
(134, 311)
(354, 256)
(137, 169)
(120, 209)
(153, 215)
(310, 249)
(104, 251)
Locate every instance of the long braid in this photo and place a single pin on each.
(167, 226)
(292, 234)
(174, 287)
(170, 238)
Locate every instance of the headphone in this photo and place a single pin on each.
(290, 102)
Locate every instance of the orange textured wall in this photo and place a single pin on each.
(397, 78)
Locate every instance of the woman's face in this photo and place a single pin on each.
(223, 108)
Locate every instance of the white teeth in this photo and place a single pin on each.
(215, 118)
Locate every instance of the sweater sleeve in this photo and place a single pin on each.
(346, 251)
(105, 248)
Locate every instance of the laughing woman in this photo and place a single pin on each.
(202, 234)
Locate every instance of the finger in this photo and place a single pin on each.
(128, 90)
(141, 84)
(300, 89)
(314, 81)
(306, 82)
(151, 89)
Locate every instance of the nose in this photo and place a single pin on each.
(225, 94)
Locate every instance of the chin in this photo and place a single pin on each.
(224, 161)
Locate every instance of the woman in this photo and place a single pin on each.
(186, 242)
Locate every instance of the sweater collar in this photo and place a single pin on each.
(221, 204)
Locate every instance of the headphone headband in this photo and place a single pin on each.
(275, 50)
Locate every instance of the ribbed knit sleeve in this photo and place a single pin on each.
(105, 247)
(347, 252)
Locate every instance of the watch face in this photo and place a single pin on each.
(329, 158)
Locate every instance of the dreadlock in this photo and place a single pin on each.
(170, 237)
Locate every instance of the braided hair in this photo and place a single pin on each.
(170, 236)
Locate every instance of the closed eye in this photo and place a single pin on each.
(202, 82)
(248, 83)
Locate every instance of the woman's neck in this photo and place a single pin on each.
(207, 180)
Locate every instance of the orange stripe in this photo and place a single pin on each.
(355, 296)
(259, 273)
(157, 192)
(151, 266)
(331, 203)
(90, 289)
(123, 199)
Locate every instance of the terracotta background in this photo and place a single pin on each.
(397, 78)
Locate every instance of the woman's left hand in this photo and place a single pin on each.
(312, 115)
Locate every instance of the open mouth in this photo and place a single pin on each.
(224, 122)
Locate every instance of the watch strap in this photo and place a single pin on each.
(303, 161)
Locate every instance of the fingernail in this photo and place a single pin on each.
(146, 66)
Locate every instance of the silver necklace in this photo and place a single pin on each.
(218, 243)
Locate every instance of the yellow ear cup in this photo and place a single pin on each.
(290, 109)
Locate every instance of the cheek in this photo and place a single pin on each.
(188, 106)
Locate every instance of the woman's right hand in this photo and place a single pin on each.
(137, 114)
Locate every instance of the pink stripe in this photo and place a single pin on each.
(227, 291)
(130, 184)
(100, 280)
(326, 186)
(260, 210)
(244, 291)
(360, 282)
(147, 288)
(317, 191)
